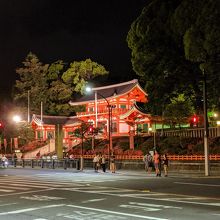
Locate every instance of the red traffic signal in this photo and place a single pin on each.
(194, 121)
(90, 130)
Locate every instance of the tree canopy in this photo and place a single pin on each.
(168, 42)
(53, 84)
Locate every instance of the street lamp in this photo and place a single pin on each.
(16, 118)
(206, 125)
(88, 89)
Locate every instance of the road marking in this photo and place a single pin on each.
(94, 200)
(13, 187)
(33, 186)
(156, 205)
(30, 209)
(198, 184)
(41, 198)
(20, 193)
(117, 213)
(147, 209)
(8, 204)
(6, 190)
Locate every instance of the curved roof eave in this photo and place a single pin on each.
(134, 108)
(110, 97)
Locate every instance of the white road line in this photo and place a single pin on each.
(198, 184)
(26, 192)
(32, 181)
(7, 204)
(13, 187)
(117, 213)
(30, 209)
(94, 200)
(33, 186)
(6, 190)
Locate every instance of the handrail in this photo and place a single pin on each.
(213, 157)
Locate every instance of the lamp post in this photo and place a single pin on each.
(206, 125)
(109, 117)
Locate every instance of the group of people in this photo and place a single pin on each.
(100, 161)
(157, 162)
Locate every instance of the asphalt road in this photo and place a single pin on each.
(36, 194)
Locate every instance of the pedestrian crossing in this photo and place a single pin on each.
(66, 182)
(15, 184)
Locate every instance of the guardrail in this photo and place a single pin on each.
(186, 132)
(33, 163)
(170, 157)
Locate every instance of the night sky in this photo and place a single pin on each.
(69, 30)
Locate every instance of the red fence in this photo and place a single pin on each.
(171, 157)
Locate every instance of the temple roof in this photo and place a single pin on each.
(111, 91)
(134, 113)
(53, 120)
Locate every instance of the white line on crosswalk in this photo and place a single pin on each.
(6, 190)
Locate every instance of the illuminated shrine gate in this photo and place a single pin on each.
(112, 108)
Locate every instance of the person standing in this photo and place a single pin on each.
(157, 163)
(15, 159)
(4, 161)
(103, 163)
(165, 164)
(96, 162)
(148, 162)
(112, 163)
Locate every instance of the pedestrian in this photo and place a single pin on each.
(96, 162)
(4, 161)
(112, 163)
(103, 163)
(165, 164)
(15, 159)
(148, 162)
(157, 163)
(38, 155)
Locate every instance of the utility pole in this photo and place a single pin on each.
(206, 126)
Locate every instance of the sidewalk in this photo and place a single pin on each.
(137, 172)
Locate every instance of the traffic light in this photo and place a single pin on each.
(1, 127)
(90, 130)
(195, 120)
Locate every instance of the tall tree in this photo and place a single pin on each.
(202, 46)
(178, 111)
(80, 72)
(59, 93)
(159, 39)
(31, 78)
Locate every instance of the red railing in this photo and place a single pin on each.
(214, 157)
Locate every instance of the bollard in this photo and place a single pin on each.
(64, 164)
(77, 164)
(53, 164)
(32, 163)
(42, 163)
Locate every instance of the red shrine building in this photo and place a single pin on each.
(113, 109)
